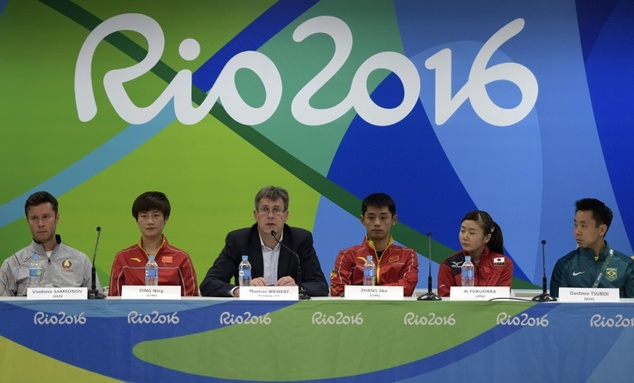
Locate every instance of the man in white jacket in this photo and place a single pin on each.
(62, 265)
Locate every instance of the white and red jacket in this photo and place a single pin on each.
(397, 266)
(175, 268)
(493, 270)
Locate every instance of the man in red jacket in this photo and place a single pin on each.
(395, 265)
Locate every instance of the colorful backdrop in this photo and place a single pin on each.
(516, 108)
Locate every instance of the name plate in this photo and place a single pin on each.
(53, 293)
(381, 293)
(584, 294)
(150, 292)
(479, 293)
(269, 293)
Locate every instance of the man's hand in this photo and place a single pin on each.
(285, 281)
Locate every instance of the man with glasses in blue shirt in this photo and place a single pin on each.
(272, 264)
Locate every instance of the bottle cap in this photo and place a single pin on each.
(369, 257)
(245, 257)
(151, 256)
(467, 258)
(35, 256)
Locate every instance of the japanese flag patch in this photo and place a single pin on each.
(498, 261)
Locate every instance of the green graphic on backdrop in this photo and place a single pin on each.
(276, 342)
(209, 172)
(48, 369)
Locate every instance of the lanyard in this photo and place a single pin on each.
(605, 266)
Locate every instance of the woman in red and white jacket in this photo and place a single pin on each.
(481, 238)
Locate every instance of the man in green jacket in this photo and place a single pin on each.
(593, 263)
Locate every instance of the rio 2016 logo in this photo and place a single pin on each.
(61, 318)
(179, 90)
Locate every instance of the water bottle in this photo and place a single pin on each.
(369, 272)
(468, 272)
(35, 271)
(151, 272)
(244, 272)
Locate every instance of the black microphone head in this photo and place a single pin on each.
(98, 228)
(543, 241)
(429, 233)
(273, 233)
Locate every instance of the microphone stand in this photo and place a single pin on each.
(430, 295)
(93, 293)
(544, 296)
(302, 290)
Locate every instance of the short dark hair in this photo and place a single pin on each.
(600, 212)
(484, 220)
(39, 198)
(151, 200)
(378, 200)
(273, 193)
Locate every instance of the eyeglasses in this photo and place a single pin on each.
(276, 212)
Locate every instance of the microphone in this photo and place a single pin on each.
(93, 293)
(302, 290)
(430, 295)
(544, 297)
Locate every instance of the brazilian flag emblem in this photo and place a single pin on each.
(610, 273)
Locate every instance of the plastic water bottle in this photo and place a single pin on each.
(369, 272)
(151, 272)
(35, 271)
(244, 272)
(468, 272)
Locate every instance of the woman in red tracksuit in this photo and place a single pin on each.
(481, 238)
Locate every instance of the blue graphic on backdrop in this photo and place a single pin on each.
(526, 175)
(612, 93)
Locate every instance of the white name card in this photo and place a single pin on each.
(53, 293)
(269, 293)
(150, 292)
(381, 293)
(479, 293)
(584, 294)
